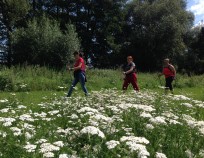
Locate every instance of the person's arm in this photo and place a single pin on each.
(171, 67)
(160, 74)
(130, 70)
(78, 67)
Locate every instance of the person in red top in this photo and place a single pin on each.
(170, 73)
(130, 75)
(79, 74)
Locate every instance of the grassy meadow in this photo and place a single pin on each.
(36, 120)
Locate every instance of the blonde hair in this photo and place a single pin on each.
(167, 60)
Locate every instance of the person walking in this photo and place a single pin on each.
(170, 73)
(79, 74)
(130, 75)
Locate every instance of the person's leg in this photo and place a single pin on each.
(125, 83)
(82, 81)
(76, 80)
(134, 82)
(168, 84)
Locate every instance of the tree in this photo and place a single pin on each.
(44, 43)
(156, 30)
(11, 12)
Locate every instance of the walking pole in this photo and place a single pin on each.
(70, 73)
(160, 86)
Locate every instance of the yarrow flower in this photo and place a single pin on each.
(158, 120)
(30, 148)
(112, 144)
(93, 131)
(3, 101)
(160, 155)
(47, 147)
(48, 155)
(16, 131)
(140, 140)
(59, 143)
(63, 156)
(26, 117)
(87, 109)
(7, 121)
(187, 105)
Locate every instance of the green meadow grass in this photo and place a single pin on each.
(42, 81)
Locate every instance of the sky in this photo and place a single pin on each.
(197, 7)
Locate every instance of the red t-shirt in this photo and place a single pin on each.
(80, 60)
(168, 72)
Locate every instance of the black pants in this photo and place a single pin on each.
(169, 81)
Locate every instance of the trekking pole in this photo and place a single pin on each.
(70, 73)
(161, 86)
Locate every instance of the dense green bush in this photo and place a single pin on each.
(6, 83)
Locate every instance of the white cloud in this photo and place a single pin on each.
(198, 7)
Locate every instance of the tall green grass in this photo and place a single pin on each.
(35, 78)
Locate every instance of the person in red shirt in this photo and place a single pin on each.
(130, 75)
(170, 73)
(79, 74)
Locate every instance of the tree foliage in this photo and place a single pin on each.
(43, 43)
(156, 30)
(109, 30)
(12, 13)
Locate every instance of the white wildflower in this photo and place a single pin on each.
(7, 121)
(174, 122)
(201, 153)
(5, 110)
(53, 112)
(149, 126)
(28, 135)
(21, 107)
(59, 143)
(3, 101)
(47, 147)
(100, 117)
(189, 154)
(158, 120)
(112, 144)
(48, 155)
(93, 123)
(16, 131)
(74, 116)
(87, 109)
(141, 140)
(93, 131)
(3, 134)
(180, 97)
(187, 105)
(41, 141)
(47, 119)
(63, 156)
(42, 114)
(30, 148)
(145, 115)
(137, 147)
(160, 155)
(26, 117)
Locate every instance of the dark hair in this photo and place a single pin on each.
(77, 53)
